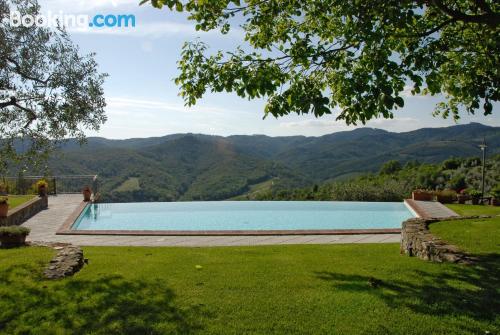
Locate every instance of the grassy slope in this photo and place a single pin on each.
(304, 289)
(16, 200)
(131, 184)
(474, 209)
(479, 236)
(255, 189)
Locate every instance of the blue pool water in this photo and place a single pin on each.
(243, 215)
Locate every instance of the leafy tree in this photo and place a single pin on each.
(48, 91)
(457, 182)
(396, 186)
(312, 56)
(412, 164)
(474, 161)
(452, 163)
(390, 167)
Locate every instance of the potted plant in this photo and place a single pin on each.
(13, 236)
(422, 195)
(475, 196)
(495, 193)
(446, 196)
(87, 193)
(4, 206)
(42, 186)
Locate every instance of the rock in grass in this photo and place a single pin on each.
(68, 261)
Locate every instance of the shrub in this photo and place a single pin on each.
(452, 163)
(11, 231)
(495, 192)
(474, 193)
(4, 200)
(42, 182)
(390, 167)
(446, 196)
(457, 182)
(474, 161)
(421, 190)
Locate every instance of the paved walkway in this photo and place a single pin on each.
(45, 224)
(430, 209)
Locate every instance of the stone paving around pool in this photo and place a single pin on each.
(430, 209)
(45, 224)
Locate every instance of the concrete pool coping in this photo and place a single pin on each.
(45, 225)
(429, 209)
(66, 229)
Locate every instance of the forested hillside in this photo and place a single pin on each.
(203, 167)
(395, 182)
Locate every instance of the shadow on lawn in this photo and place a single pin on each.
(107, 305)
(462, 290)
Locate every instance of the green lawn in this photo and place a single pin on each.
(16, 200)
(478, 236)
(303, 289)
(474, 209)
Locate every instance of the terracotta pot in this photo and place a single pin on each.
(4, 209)
(12, 241)
(86, 195)
(462, 198)
(421, 196)
(42, 191)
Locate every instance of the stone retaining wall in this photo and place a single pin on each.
(417, 240)
(20, 214)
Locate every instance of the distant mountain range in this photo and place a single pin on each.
(203, 167)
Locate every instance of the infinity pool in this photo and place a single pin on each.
(242, 216)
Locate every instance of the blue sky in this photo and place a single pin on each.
(143, 99)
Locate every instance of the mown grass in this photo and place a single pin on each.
(478, 236)
(466, 210)
(16, 200)
(301, 289)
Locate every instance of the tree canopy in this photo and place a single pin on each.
(312, 56)
(48, 91)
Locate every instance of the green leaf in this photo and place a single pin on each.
(488, 108)
(399, 101)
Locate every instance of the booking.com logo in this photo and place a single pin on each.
(16, 19)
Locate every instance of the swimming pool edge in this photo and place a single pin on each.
(71, 220)
(66, 229)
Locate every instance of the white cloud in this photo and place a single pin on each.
(316, 125)
(147, 21)
(83, 6)
(144, 117)
(136, 104)
(398, 124)
(153, 30)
